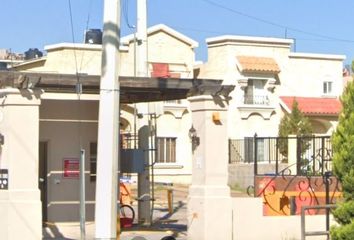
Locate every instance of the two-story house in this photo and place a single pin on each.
(267, 74)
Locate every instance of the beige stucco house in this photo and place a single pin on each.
(268, 77)
(68, 121)
(266, 74)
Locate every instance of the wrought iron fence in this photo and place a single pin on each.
(309, 155)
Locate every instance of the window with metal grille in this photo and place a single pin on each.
(255, 92)
(166, 150)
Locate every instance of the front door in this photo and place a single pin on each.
(43, 154)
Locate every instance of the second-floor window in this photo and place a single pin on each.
(327, 87)
(166, 150)
(255, 92)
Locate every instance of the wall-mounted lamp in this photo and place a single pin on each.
(194, 138)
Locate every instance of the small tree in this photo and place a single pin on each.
(294, 123)
(343, 166)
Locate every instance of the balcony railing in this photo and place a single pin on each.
(256, 99)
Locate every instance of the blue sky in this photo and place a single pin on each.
(319, 26)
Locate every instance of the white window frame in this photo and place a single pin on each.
(327, 87)
(258, 91)
(167, 155)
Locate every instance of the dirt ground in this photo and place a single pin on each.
(179, 193)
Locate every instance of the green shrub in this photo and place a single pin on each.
(343, 167)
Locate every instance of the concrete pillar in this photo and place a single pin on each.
(20, 204)
(144, 203)
(209, 201)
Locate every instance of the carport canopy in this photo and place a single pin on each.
(132, 89)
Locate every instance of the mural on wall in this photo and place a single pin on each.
(285, 195)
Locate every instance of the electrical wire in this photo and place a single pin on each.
(86, 29)
(88, 14)
(218, 5)
(126, 14)
(225, 33)
(73, 37)
(78, 83)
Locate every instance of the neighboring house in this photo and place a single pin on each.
(8, 59)
(266, 73)
(267, 78)
(322, 112)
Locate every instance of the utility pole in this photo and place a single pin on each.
(108, 126)
(144, 206)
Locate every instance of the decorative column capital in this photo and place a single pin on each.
(243, 82)
(271, 84)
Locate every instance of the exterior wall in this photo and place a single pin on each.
(163, 47)
(242, 175)
(324, 125)
(20, 205)
(247, 215)
(311, 70)
(296, 70)
(65, 125)
(245, 120)
(177, 127)
(67, 58)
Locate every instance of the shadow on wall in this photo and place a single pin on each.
(51, 231)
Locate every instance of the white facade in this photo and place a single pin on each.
(296, 74)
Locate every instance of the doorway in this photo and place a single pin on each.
(42, 174)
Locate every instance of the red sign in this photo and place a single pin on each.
(71, 167)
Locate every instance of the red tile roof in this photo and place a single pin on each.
(315, 106)
(258, 64)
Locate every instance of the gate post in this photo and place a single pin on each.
(20, 203)
(209, 200)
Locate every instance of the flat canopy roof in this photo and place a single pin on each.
(132, 89)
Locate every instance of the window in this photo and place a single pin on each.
(327, 87)
(255, 92)
(250, 149)
(93, 160)
(166, 150)
(260, 150)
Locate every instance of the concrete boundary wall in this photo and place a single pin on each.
(250, 224)
(242, 174)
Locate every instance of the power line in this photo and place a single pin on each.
(126, 14)
(229, 33)
(88, 14)
(73, 36)
(215, 4)
(197, 30)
